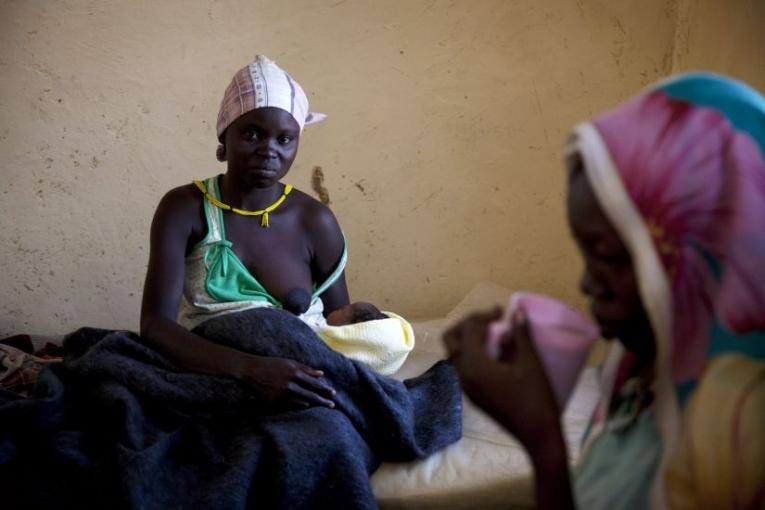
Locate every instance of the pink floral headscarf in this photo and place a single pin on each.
(699, 185)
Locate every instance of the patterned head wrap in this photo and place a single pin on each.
(680, 172)
(261, 84)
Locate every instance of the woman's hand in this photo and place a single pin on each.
(507, 381)
(283, 381)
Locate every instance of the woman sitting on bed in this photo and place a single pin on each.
(666, 202)
(244, 239)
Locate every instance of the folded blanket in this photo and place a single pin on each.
(19, 370)
(381, 345)
(117, 426)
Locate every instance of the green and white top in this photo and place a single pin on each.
(216, 281)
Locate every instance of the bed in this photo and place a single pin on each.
(487, 468)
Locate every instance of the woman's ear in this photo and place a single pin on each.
(221, 153)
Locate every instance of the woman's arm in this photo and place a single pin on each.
(336, 296)
(514, 390)
(170, 231)
(328, 245)
(275, 378)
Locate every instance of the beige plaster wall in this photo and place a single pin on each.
(441, 154)
(727, 36)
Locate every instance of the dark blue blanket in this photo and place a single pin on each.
(116, 425)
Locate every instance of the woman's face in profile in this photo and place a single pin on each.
(608, 278)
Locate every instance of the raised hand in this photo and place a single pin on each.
(506, 380)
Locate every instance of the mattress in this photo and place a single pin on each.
(487, 468)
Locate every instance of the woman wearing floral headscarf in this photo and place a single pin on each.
(666, 202)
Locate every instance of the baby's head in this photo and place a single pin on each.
(298, 301)
(355, 312)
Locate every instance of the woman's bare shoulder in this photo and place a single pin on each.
(180, 201)
(321, 228)
(183, 196)
(180, 210)
(314, 215)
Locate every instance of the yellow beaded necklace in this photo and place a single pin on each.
(243, 212)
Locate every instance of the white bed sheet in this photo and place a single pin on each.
(487, 468)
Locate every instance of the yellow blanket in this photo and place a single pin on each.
(382, 345)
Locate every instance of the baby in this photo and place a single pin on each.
(298, 301)
(361, 332)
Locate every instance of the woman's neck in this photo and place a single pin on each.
(636, 364)
(249, 198)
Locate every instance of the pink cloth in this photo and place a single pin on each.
(562, 337)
